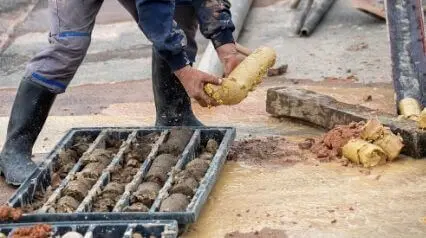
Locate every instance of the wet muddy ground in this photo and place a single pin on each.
(289, 191)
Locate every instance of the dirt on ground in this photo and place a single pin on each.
(278, 151)
(264, 233)
(37, 231)
(270, 150)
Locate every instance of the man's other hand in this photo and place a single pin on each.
(229, 57)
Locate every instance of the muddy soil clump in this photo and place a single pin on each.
(67, 158)
(174, 203)
(93, 165)
(162, 165)
(160, 168)
(264, 233)
(37, 231)
(9, 213)
(185, 182)
(146, 193)
(267, 151)
(176, 142)
(123, 174)
(329, 146)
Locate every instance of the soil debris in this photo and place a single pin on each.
(37, 231)
(271, 150)
(264, 233)
(282, 69)
(10, 213)
(357, 46)
(307, 144)
(329, 146)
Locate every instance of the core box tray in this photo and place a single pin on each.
(105, 229)
(37, 193)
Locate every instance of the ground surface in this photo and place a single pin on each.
(348, 50)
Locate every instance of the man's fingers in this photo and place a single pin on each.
(200, 101)
(210, 101)
(212, 79)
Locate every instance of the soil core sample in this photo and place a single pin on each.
(176, 142)
(160, 167)
(176, 202)
(146, 193)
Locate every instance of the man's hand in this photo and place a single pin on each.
(193, 81)
(229, 57)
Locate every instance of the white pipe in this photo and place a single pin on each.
(210, 62)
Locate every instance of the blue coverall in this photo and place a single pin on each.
(72, 22)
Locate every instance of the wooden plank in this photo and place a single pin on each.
(327, 112)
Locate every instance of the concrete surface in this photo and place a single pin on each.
(347, 42)
(327, 200)
(304, 200)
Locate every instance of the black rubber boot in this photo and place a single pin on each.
(172, 103)
(29, 112)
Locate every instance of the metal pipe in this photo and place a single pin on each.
(210, 62)
(407, 48)
(298, 16)
(318, 10)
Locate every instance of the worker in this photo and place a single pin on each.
(170, 25)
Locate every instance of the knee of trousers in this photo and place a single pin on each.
(56, 65)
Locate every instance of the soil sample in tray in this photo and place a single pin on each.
(185, 182)
(123, 174)
(174, 203)
(146, 193)
(66, 160)
(92, 167)
(168, 156)
(176, 142)
(161, 166)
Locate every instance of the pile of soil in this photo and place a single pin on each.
(67, 158)
(329, 146)
(10, 213)
(185, 182)
(264, 233)
(277, 150)
(270, 150)
(158, 173)
(133, 158)
(37, 231)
